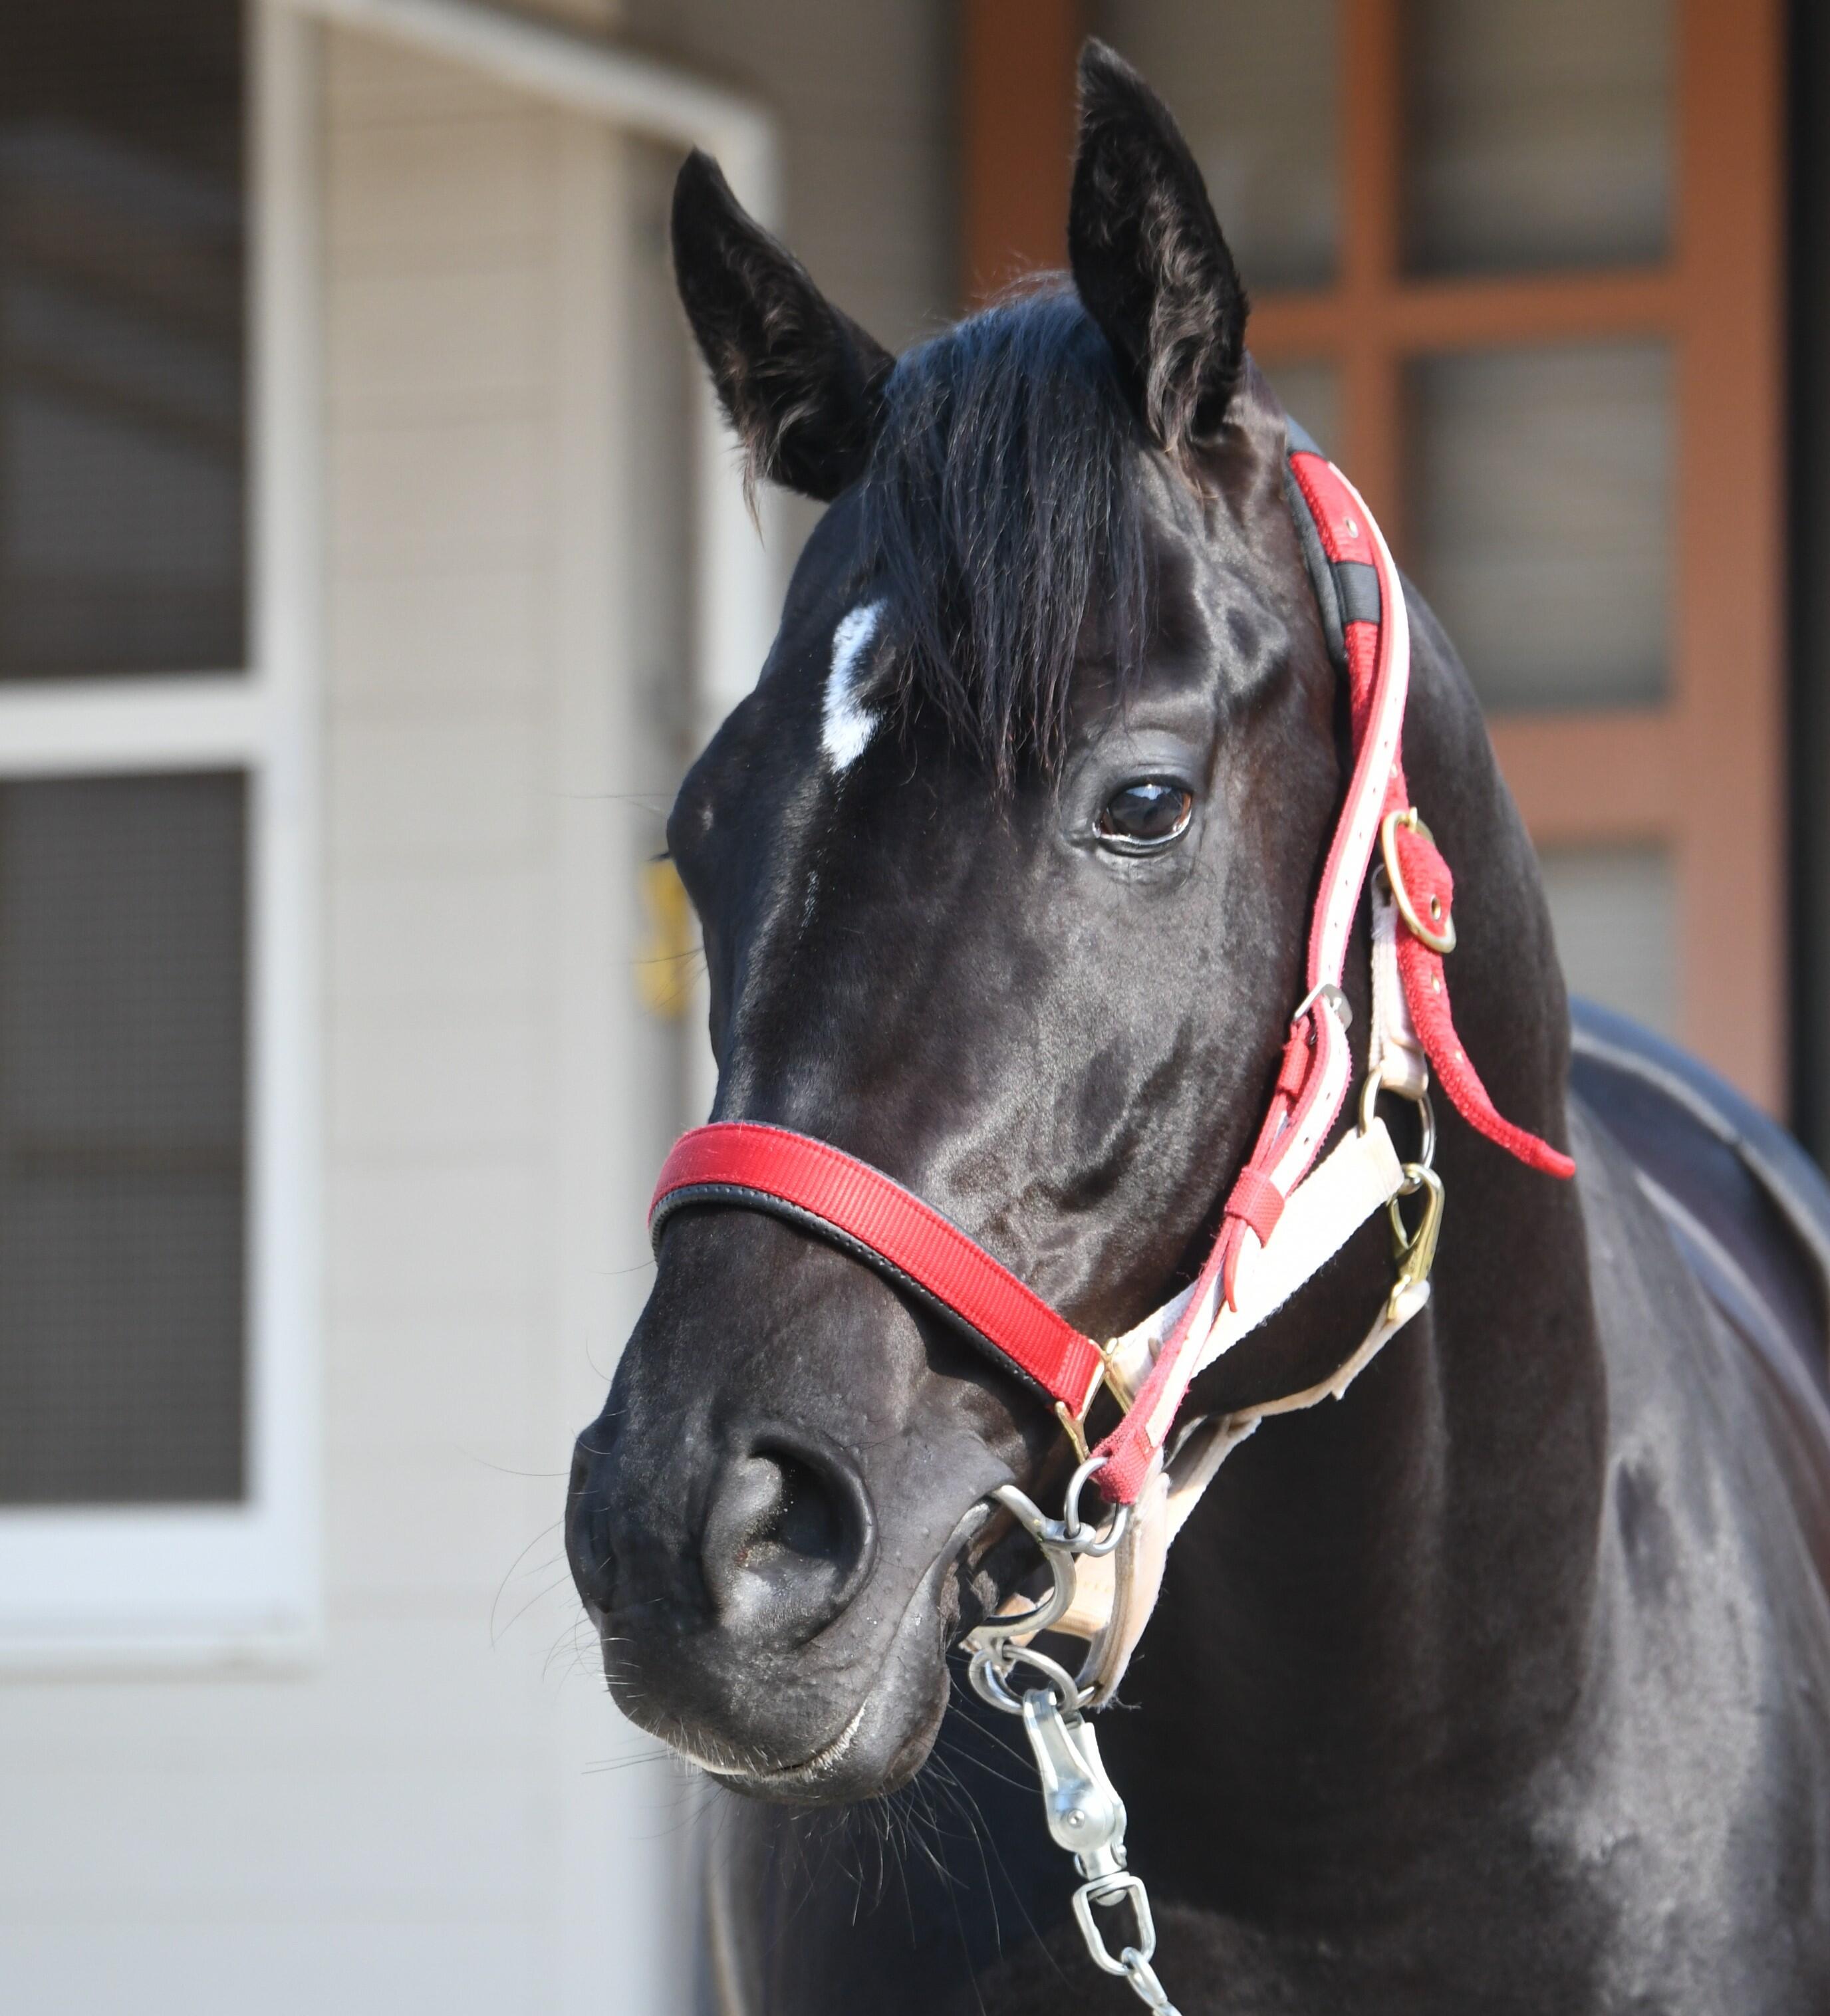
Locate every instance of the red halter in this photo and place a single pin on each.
(878, 1221)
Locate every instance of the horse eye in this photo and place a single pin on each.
(1146, 815)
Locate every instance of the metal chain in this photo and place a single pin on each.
(1082, 1807)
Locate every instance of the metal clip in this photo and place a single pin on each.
(1084, 1814)
(1087, 1817)
(1082, 1806)
(994, 1645)
(1416, 1250)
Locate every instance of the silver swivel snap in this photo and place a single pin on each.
(1080, 1804)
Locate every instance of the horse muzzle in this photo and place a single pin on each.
(776, 1560)
(792, 1679)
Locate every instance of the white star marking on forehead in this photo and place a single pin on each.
(848, 725)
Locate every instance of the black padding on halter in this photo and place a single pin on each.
(1357, 585)
(1321, 576)
(1348, 593)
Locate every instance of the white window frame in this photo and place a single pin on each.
(182, 1584)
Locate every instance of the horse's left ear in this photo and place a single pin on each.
(1148, 258)
(801, 382)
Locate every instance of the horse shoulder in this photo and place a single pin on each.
(1693, 1798)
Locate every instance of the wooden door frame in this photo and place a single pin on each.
(1704, 774)
(1018, 63)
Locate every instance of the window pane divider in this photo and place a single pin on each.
(1436, 315)
(93, 726)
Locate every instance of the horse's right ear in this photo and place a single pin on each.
(1148, 259)
(800, 381)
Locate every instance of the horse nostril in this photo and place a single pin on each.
(803, 1519)
(789, 1538)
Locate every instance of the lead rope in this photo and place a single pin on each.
(1080, 1804)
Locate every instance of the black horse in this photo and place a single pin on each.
(1500, 1686)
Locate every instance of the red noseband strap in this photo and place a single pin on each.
(876, 1221)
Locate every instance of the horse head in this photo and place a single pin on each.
(1003, 869)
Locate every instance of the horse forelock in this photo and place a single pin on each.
(1003, 515)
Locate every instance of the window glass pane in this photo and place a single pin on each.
(1615, 912)
(121, 326)
(1311, 393)
(1540, 505)
(1539, 133)
(122, 966)
(1255, 85)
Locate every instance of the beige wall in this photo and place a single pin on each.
(412, 1821)
(497, 1101)
(864, 91)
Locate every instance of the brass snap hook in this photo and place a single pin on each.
(1416, 1250)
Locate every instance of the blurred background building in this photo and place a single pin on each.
(368, 573)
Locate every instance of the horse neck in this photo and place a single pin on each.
(1384, 1602)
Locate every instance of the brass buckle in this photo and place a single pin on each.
(1112, 1379)
(1073, 1425)
(1438, 940)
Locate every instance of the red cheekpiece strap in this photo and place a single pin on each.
(876, 1219)
(1425, 981)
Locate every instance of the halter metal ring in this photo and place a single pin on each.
(990, 1667)
(1074, 1531)
(1426, 1117)
(1111, 1890)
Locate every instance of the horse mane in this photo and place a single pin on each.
(1002, 513)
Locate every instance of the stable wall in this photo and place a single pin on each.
(411, 1818)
